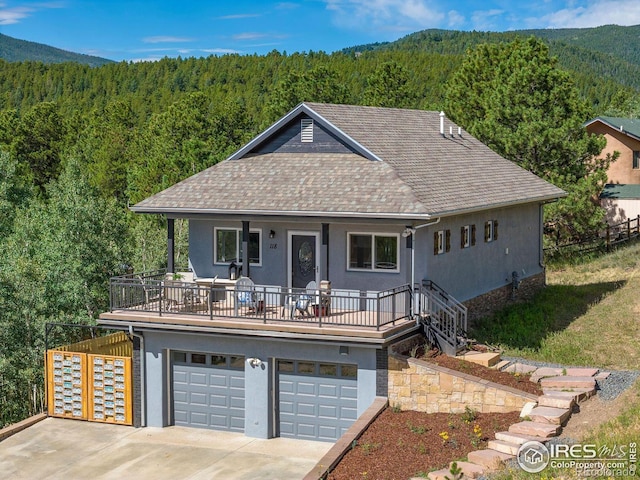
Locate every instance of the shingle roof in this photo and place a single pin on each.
(628, 126)
(620, 191)
(421, 173)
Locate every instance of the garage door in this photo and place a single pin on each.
(317, 401)
(208, 390)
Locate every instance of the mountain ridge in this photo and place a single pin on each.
(16, 50)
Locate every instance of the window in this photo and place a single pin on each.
(636, 160)
(228, 246)
(369, 251)
(441, 241)
(490, 230)
(467, 236)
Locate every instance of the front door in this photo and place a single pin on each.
(303, 262)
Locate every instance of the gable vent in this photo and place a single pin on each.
(306, 130)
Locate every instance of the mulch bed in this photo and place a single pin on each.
(400, 445)
(518, 381)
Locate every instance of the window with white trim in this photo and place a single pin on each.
(441, 241)
(467, 236)
(490, 230)
(373, 251)
(227, 246)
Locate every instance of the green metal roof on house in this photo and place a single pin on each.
(400, 166)
(628, 126)
(619, 191)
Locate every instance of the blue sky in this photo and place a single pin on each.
(135, 30)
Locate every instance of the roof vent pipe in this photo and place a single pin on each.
(442, 123)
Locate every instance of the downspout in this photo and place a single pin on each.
(143, 403)
(411, 231)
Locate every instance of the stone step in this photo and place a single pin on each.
(442, 474)
(544, 372)
(581, 372)
(557, 401)
(555, 416)
(489, 459)
(567, 381)
(534, 428)
(579, 394)
(501, 364)
(486, 359)
(470, 470)
(504, 447)
(519, 438)
(520, 368)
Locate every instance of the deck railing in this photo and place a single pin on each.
(152, 293)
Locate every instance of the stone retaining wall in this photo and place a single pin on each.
(424, 387)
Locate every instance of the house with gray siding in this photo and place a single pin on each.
(357, 227)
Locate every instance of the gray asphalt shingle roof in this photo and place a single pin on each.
(421, 173)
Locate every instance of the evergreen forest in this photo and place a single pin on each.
(80, 143)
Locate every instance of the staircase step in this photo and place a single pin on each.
(544, 372)
(520, 368)
(581, 372)
(519, 438)
(470, 470)
(442, 474)
(557, 401)
(534, 428)
(555, 416)
(501, 364)
(489, 459)
(504, 447)
(486, 359)
(567, 381)
(579, 394)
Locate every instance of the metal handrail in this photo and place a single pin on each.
(151, 293)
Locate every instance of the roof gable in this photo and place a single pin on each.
(627, 126)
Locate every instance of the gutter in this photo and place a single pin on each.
(143, 400)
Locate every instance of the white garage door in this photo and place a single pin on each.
(316, 400)
(208, 390)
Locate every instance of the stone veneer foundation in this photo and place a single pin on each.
(490, 302)
(424, 387)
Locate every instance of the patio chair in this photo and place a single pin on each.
(245, 294)
(301, 304)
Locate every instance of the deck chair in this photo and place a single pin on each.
(301, 304)
(245, 294)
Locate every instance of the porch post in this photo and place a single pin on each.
(324, 252)
(410, 241)
(245, 248)
(171, 254)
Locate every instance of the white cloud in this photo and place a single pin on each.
(12, 15)
(221, 51)
(386, 14)
(486, 20)
(166, 39)
(454, 19)
(249, 36)
(594, 13)
(240, 16)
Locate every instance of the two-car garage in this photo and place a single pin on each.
(313, 400)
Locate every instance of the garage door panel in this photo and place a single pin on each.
(313, 406)
(306, 388)
(203, 396)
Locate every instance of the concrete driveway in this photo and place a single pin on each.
(71, 449)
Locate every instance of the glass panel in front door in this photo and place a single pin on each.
(303, 261)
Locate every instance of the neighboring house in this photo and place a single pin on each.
(374, 200)
(621, 196)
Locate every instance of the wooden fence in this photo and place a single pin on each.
(605, 239)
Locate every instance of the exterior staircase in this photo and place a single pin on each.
(444, 319)
(562, 389)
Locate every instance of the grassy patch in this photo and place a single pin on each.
(587, 315)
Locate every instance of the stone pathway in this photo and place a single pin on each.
(562, 390)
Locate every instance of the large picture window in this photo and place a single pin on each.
(373, 251)
(227, 246)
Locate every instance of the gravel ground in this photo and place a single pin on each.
(608, 389)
